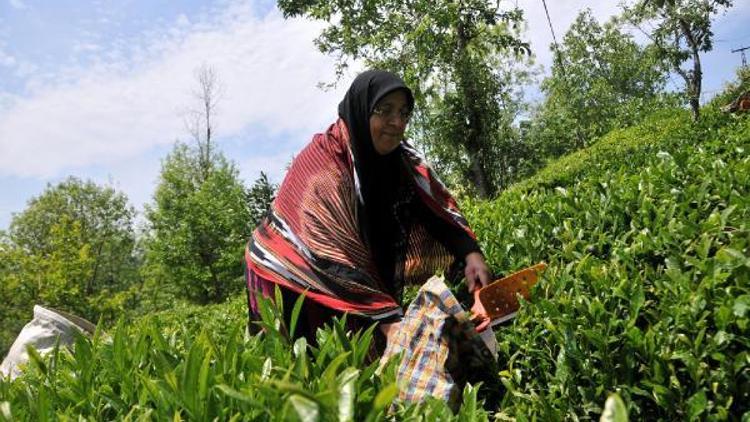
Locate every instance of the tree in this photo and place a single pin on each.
(93, 217)
(199, 219)
(734, 91)
(447, 51)
(198, 227)
(259, 198)
(17, 298)
(72, 249)
(602, 80)
(200, 121)
(500, 81)
(682, 30)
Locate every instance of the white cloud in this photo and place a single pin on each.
(118, 110)
(6, 60)
(274, 165)
(17, 4)
(182, 20)
(86, 47)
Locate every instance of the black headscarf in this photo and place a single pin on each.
(379, 175)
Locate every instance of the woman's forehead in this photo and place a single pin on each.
(397, 97)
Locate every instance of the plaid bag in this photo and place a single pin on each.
(441, 349)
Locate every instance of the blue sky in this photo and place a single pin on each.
(99, 89)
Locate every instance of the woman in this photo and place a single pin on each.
(358, 215)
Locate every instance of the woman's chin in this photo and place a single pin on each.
(387, 150)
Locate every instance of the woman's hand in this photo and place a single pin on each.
(389, 329)
(477, 273)
(479, 314)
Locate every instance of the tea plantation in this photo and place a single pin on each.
(649, 284)
(647, 295)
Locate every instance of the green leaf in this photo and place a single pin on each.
(614, 410)
(732, 257)
(237, 395)
(385, 397)
(295, 314)
(203, 379)
(328, 377)
(306, 409)
(5, 412)
(265, 371)
(470, 405)
(347, 393)
(741, 305)
(696, 404)
(36, 359)
(301, 359)
(293, 388)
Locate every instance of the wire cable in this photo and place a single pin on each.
(554, 38)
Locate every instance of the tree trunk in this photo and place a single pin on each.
(89, 289)
(695, 107)
(474, 141)
(479, 175)
(218, 294)
(695, 78)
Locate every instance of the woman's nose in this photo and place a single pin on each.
(398, 120)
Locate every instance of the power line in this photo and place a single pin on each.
(560, 63)
(742, 53)
(554, 38)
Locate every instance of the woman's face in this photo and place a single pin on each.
(388, 121)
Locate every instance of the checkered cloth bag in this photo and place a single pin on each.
(441, 348)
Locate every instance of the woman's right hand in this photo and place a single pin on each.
(479, 314)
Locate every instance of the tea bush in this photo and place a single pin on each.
(648, 288)
(184, 366)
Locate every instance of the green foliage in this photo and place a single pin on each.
(72, 249)
(614, 410)
(602, 80)
(259, 198)
(733, 89)
(172, 366)
(199, 223)
(646, 234)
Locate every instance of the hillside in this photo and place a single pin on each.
(648, 288)
(647, 294)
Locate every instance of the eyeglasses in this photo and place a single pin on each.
(387, 112)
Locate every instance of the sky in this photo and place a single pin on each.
(100, 89)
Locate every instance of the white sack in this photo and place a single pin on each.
(42, 333)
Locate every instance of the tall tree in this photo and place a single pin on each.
(602, 80)
(199, 218)
(681, 31)
(446, 51)
(200, 120)
(198, 227)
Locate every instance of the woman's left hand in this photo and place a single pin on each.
(390, 330)
(477, 273)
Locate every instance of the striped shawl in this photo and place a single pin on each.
(311, 239)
